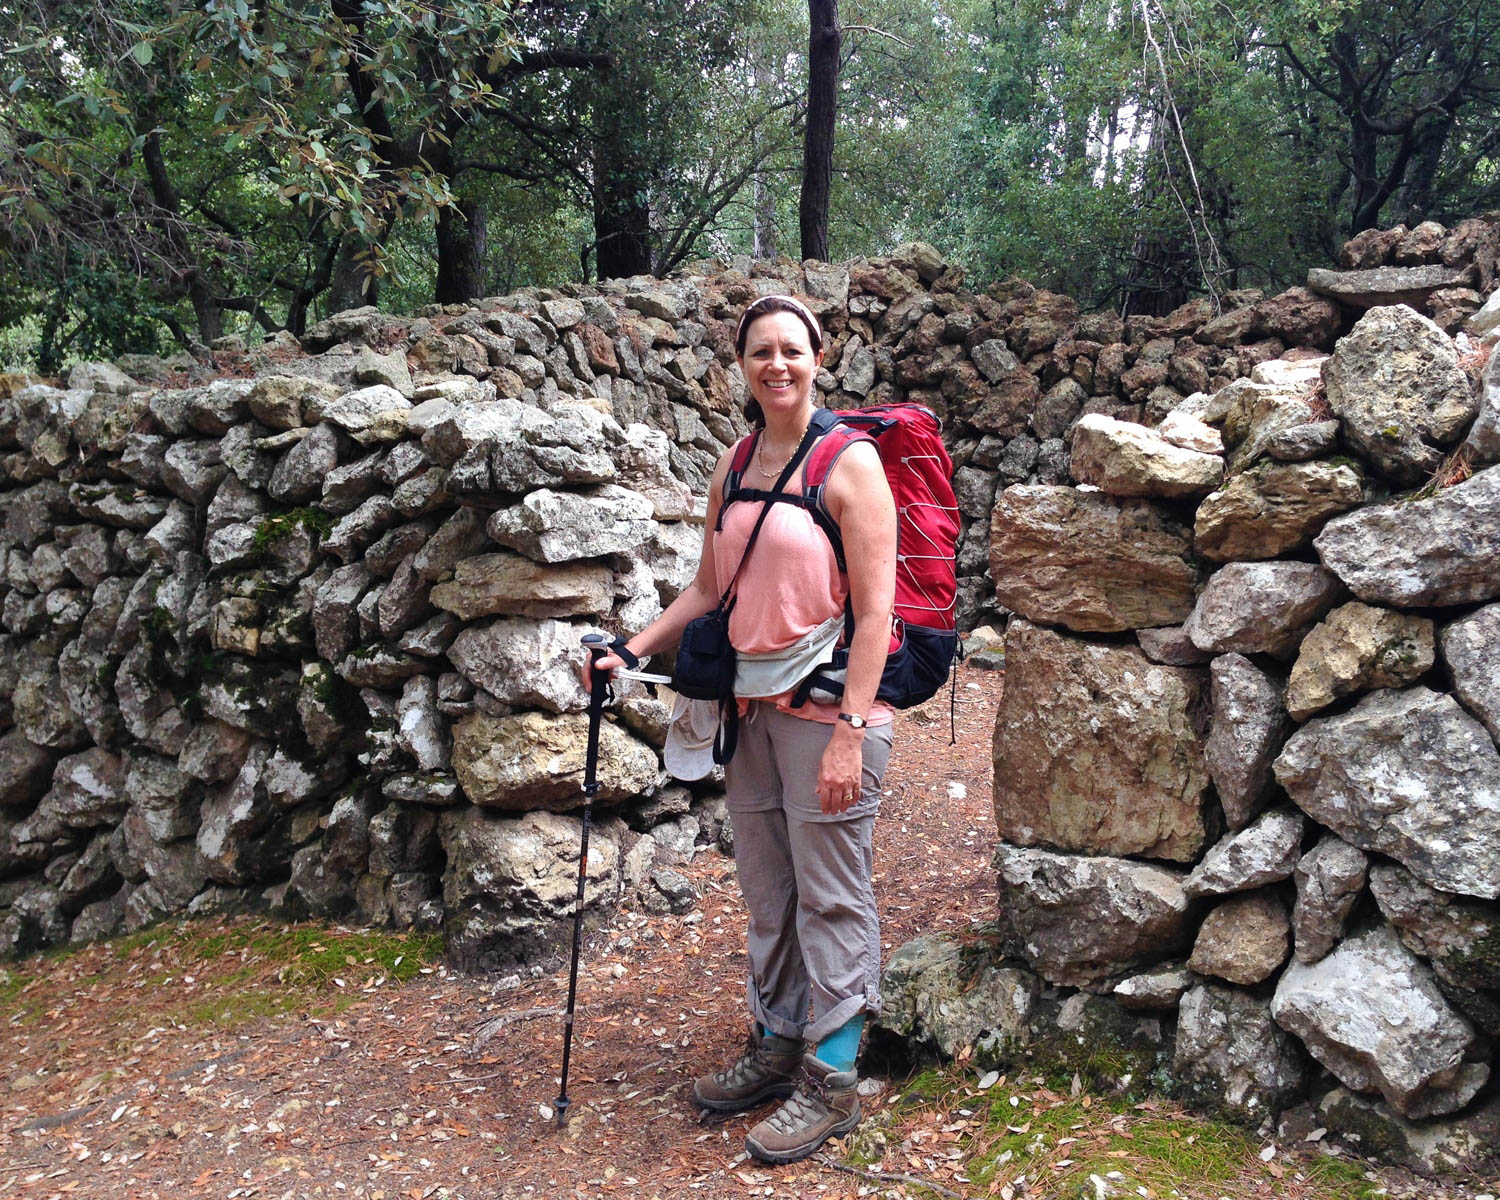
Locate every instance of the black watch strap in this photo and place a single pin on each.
(631, 661)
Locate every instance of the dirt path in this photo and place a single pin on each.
(439, 1088)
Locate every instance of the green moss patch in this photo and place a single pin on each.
(1022, 1135)
(222, 974)
(281, 526)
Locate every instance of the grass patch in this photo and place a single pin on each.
(217, 975)
(277, 528)
(1020, 1137)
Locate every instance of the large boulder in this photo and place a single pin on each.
(1090, 562)
(1274, 508)
(1357, 648)
(1261, 608)
(510, 883)
(930, 994)
(1246, 733)
(1088, 921)
(1408, 774)
(1125, 459)
(1395, 382)
(1471, 648)
(1401, 1039)
(533, 761)
(1329, 878)
(1097, 749)
(1443, 549)
(1231, 1056)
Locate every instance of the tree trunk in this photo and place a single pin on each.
(461, 237)
(622, 222)
(206, 308)
(765, 218)
(823, 44)
(1417, 198)
(352, 285)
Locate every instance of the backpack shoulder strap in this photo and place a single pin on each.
(820, 463)
(734, 480)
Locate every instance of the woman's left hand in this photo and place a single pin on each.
(841, 770)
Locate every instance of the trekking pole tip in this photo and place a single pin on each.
(560, 1106)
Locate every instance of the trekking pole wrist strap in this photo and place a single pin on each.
(625, 654)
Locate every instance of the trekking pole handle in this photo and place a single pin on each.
(597, 644)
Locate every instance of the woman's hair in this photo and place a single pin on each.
(764, 307)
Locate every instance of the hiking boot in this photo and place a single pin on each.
(824, 1105)
(766, 1069)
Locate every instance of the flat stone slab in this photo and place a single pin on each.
(1385, 285)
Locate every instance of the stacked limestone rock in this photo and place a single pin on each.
(1246, 774)
(299, 627)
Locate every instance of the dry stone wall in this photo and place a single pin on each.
(295, 626)
(1247, 781)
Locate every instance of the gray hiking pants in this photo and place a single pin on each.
(814, 935)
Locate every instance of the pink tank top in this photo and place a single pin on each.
(790, 585)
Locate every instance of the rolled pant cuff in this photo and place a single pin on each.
(772, 1022)
(831, 1021)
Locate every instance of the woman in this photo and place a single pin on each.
(803, 785)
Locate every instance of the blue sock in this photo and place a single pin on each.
(841, 1046)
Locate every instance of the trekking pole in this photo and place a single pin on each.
(596, 644)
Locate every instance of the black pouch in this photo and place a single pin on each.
(705, 671)
(705, 659)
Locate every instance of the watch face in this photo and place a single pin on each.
(857, 722)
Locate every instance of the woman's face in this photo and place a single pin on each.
(779, 363)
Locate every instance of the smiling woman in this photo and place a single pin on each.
(803, 784)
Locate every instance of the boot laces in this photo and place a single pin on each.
(809, 1104)
(745, 1069)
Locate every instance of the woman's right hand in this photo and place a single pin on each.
(608, 662)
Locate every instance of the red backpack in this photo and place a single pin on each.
(925, 637)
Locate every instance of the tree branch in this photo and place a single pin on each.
(900, 41)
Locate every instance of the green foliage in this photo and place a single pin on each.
(170, 173)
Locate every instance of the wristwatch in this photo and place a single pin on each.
(857, 721)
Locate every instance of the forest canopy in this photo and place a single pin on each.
(171, 173)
